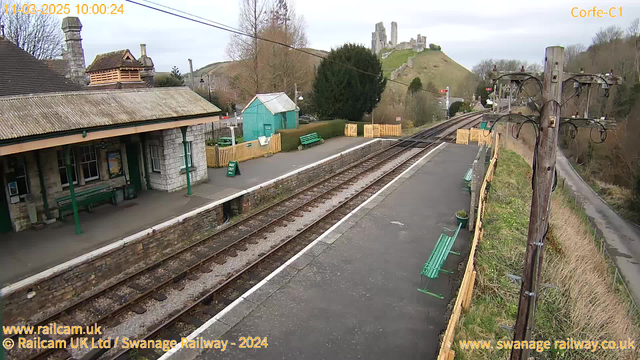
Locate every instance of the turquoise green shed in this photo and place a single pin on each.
(267, 113)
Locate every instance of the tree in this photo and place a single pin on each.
(435, 47)
(482, 92)
(634, 29)
(608, 35)
(459, 106)
(415, 86)
(173, 79)
(175, 73)
(340, 91)
(244, 49)
(571, 53)
(38, 34)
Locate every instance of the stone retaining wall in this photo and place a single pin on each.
(65, 287)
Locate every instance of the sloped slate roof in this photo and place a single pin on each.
(274, 102)
(30, 115)
(112, 60)
(21, 73)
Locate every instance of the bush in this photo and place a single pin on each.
(434, 47)
(326, 129)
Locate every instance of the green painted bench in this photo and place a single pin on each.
(467, 179)
(86, 199)
(310, 139)
(224, 142)
(433, 266)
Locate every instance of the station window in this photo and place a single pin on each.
(89, 162)
(62, 169)
(18, 181)
(154, 151)
(189, 155)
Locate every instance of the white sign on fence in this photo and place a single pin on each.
(398, 118)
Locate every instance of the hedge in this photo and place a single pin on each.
(326, 129)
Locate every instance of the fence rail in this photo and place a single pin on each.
(463, 300)
(220, 157)
(378, 130)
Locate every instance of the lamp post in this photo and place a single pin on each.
(208, 83)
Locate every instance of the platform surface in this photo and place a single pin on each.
(354, 294)
(29, 252)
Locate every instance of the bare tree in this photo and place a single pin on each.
(245, 50)
(38, 34)
(286, 66)
(483, 68)
(608, 35)
(534, 68)
(571, 53)
(634, 29)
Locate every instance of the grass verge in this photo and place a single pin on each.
(582, 305)
(616, 196)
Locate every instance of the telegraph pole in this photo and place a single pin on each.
(193, 84)
(543, 179)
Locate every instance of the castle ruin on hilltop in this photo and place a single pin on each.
(379, 40)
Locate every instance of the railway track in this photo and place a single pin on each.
(133, 295)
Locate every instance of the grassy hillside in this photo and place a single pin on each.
(430, 65)
(227, 68)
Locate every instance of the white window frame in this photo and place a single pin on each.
(189, 152)
(156, 160)
(86, 150)
(64, 166)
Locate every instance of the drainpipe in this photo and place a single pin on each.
(186, 158)
(74, 204)
(43, 189)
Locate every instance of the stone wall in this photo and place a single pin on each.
(62, 289)
(98, 272)
(305, 178)
(172, 174)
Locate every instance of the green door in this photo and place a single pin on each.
(134, 166)
(268, 130)
(5, 218)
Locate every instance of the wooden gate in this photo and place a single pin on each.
(220, 157)
(462, 136)
(351, 130)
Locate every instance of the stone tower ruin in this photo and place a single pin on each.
(378, 38)
(394, 34)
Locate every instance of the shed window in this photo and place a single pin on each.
(189, 155)
(89, 162)
(154, 151)
(62, 169)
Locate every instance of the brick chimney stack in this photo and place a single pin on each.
(74, 53)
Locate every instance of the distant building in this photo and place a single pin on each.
(115, 138)
(113, 70)
(267, 113)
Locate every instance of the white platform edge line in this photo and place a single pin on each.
(257, 286)
(132, 238)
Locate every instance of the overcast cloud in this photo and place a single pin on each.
(468, 31)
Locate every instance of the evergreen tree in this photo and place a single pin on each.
(415, 86)
(175, 73)
(340, 91)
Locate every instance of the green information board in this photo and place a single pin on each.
(233, 169)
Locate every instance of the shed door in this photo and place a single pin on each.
(268, 130)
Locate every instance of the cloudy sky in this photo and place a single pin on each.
(468, 31)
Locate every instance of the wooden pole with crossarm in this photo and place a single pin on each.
(543, 179)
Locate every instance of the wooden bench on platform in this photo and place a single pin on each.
(433, 266)
(86, 199)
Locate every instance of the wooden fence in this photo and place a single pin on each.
(463, 300)
(220, 157)
(462, 136)
(351, 130)
(378, 130)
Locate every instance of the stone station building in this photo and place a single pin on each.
(134, 138)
